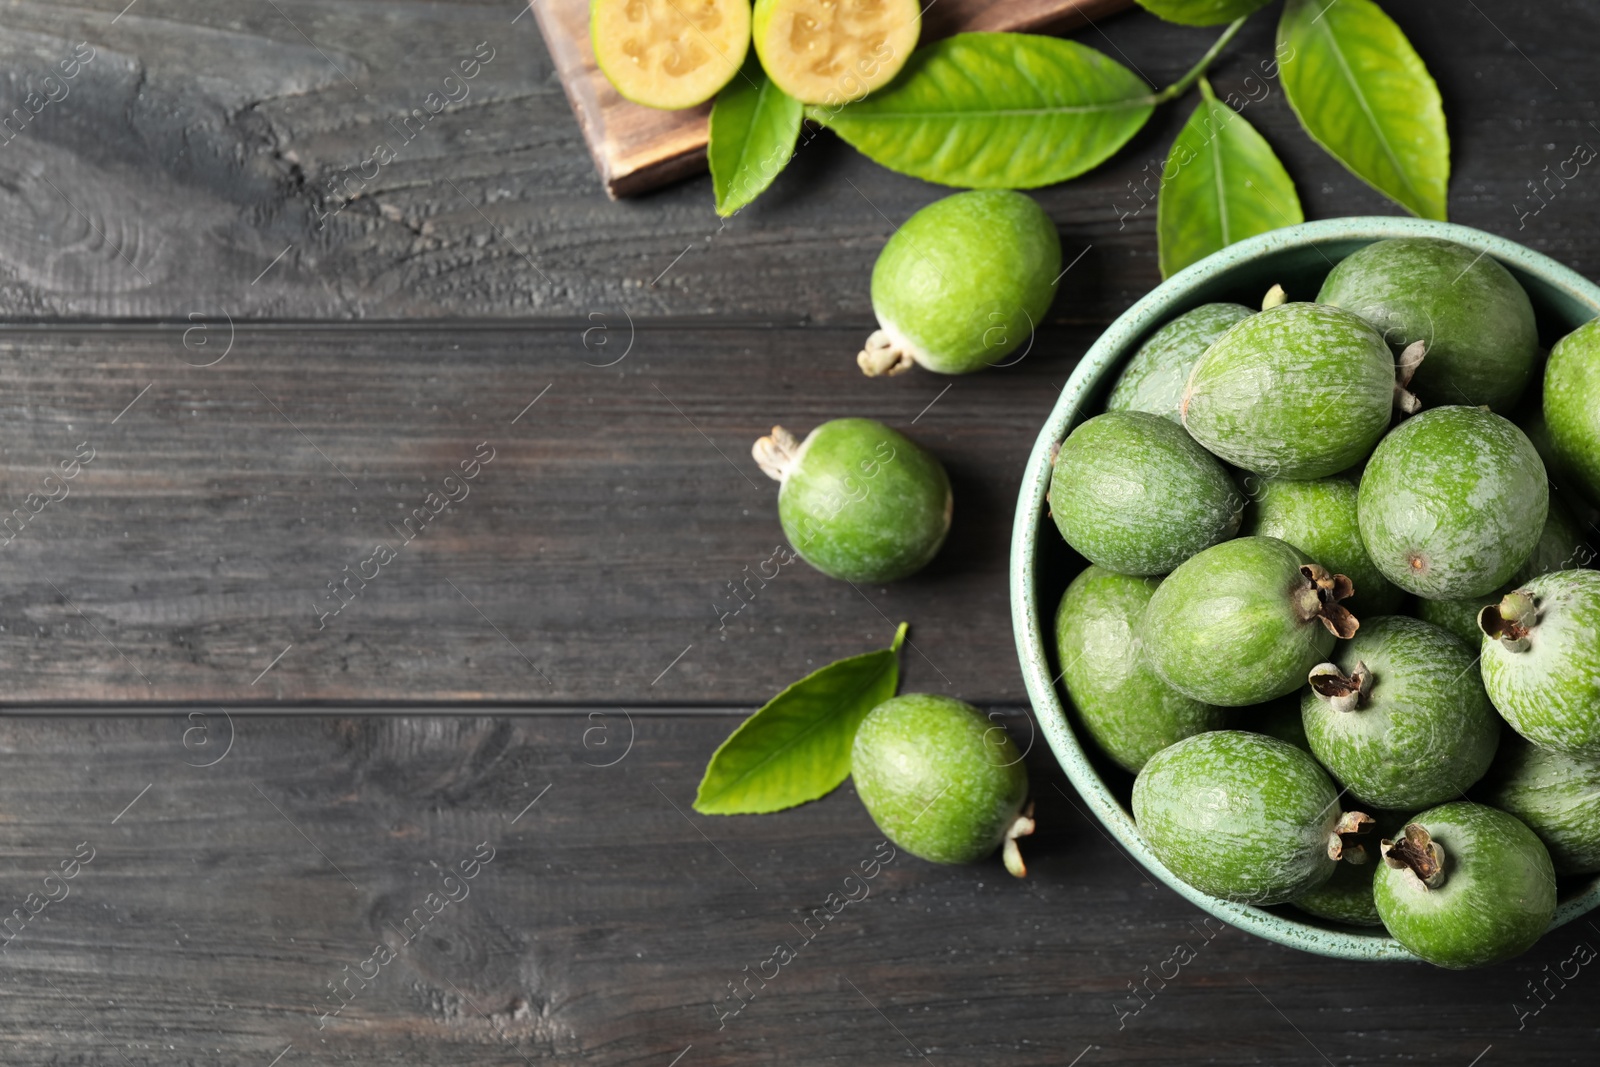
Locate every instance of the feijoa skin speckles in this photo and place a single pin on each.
(1452, 502)
(941, 780)
(1295, 391)
(1473, 317)
(1129, 711)
(1244, 621)
(1241, 816)
(1541, 659)
(1465, 885)
(962, 284)
(1557, 794)
(1399, 715)
(1134, 494)
(1154, 378)
(1572, 405)
(857, 500)
(1562, 545)
(1319, 518)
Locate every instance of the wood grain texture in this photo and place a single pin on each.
(610, 920)
(208, 137)
(636, 148)
(620, 521)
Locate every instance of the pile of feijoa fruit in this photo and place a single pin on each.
(1338, 617)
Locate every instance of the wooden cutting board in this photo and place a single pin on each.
(638, 148)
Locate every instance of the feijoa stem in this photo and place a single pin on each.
(1318, 598)
(1342, 692)
(1416, 851)
(883, 356)
(1181, 86)
(775, 452)
(1010, 853)
(1345, 843)
(1405, 368)
(1511, 620)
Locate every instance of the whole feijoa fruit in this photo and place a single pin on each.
(1557, 794)
(943, 782)
(1154, 378)
(1464, 885)
(1572, 405)
(1452, 503)
(1244, 621)
(829, 54)
(1201, 12)
(858, 500)
(1129, 711)
(1399, 715)
(1541, 659)
(1561, 546)
(1295, 391)
(1133, 493)
(1474, 320)
(962, 284)
(1347, 896)
(665, 55)
(1242, 816)
(1319, 518)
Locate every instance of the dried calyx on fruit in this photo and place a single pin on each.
(1347, 842)
(1343, 692)
(1511, 620)
(1319, 599)
(1416, 851)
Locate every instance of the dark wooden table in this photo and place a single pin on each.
(275, 347)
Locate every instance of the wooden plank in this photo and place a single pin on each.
(221, 901)
(636, 149)
(205, 176)
(602, 553)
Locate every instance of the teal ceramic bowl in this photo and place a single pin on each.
(1041, 563)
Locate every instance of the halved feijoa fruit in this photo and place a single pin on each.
(670, 54)
(834, 51)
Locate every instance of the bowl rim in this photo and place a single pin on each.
(1033, 629)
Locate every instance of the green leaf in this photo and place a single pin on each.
(1363, 93)
(996, 111)
(797, 746)
(754, 126)
(1220, 183)
(1202, 12)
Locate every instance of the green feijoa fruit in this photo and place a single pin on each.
(1129, 711)
(943, 782)
(1133, 493)
(1541, 659)
(1319, 518)
(1154, 378)
(1295, 391)
(1557, 794)
(858, 500)
(1347, 896)
(1399, 716)
(1242, 816)
(1464, 885)
(1452, 503)
(1562, 545)
(827, 53)
(1572, 405)
(1243, 621)
(962, 284)
(1475, 321)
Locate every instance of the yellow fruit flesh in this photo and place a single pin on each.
(832, 51)
(670, 53)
